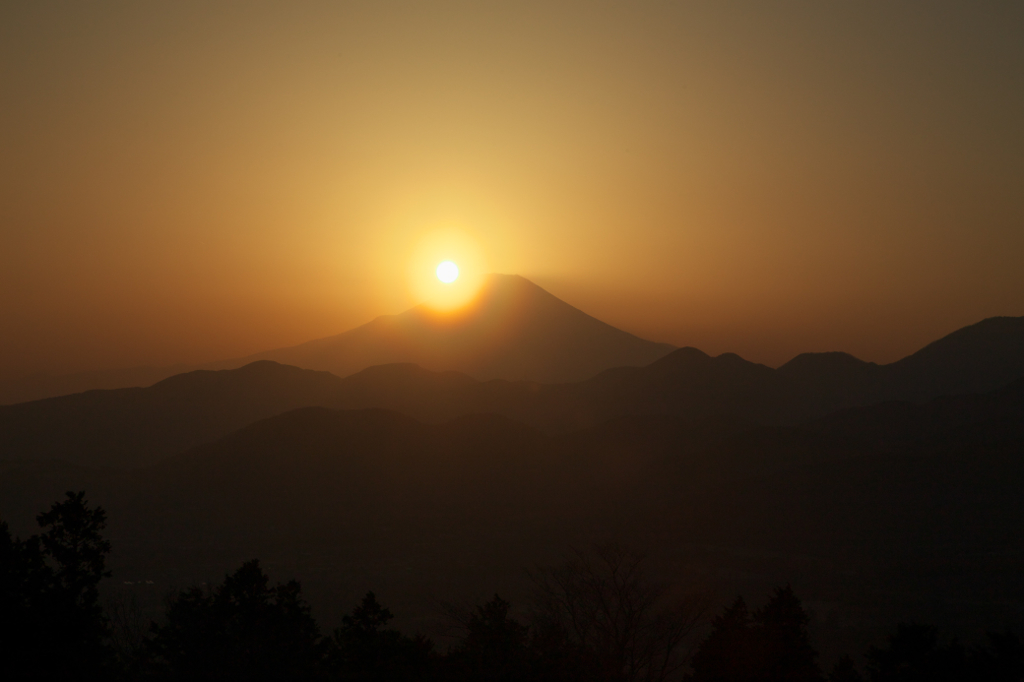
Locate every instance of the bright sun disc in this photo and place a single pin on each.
(447, 272)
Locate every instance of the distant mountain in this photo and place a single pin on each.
(911, 509)
(40, 385)
(134, 427)
(974, 359)
(513, 330)
(516, 331)
(691, 384)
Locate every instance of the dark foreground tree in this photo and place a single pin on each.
(1001, 661)
(365, 649)
(772, 645)
(495, 647)
(845, 670)
(51, 622)
(782, 626)
(730, 652)
(915, 654)
(608, 614)
(243, 629)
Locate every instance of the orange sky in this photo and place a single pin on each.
(185, 182)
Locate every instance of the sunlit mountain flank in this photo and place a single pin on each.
(512, 330)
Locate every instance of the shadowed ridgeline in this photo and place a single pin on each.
(917, 502)
(134, 427)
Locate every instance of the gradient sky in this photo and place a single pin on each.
(184, 182)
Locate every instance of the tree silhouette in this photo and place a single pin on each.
(1001, 661)
(74, 542)
(730, 652)
(24, 580)
(495, 648)
(772, 645)
(915, 654)
(365, 649)
(782, 627)
(604, 605)
(595, 618)
(241, 630)
(129, 630)
(52, 623)
(845, 671)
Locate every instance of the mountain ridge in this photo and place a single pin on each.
(513, 330)
(360, 499)
(132, 427)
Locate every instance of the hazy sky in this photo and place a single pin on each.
(186, 182)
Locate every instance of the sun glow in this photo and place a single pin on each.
(446, 269)
(447, 272)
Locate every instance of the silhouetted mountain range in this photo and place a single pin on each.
(40, 385)
(516, 331)
(133, 427)
(978, 358)
(919, 502)
(513, 330)
(847, 478)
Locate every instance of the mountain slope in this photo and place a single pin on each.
(973, 359)
(40, 385)
(131, 427)
(915, 508)
(513, 330)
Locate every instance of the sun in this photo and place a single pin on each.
(447, 272)
(446, 269)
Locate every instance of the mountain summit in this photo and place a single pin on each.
(512, 330)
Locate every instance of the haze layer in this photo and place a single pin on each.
(188, 182)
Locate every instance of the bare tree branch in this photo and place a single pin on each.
(604, 603)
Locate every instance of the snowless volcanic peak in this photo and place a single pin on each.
(512, 329)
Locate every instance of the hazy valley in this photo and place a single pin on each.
(878, 492)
